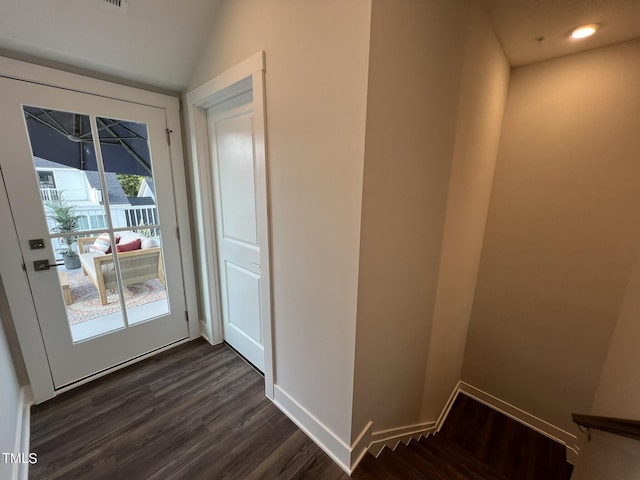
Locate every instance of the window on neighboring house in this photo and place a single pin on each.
(46, 180)
(92, 222)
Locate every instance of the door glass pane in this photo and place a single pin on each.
(103, 288)
(92, 303)
(65, 163)
(132, 204)
(66, 169)
(143, 275)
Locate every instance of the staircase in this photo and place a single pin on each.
(475, 443)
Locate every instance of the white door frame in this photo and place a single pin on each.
(247, 75)
(14, 278)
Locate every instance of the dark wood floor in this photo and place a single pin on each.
(475, 443)
(195, 412)
(199, 412)
(503, 443)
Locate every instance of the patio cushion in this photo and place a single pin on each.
(87, 262)
(128, 247)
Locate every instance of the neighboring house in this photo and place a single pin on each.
(83, 190)
(147, 188)
(439, 212)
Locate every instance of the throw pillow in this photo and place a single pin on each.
(102, 244)
(127, 247)
(128, 236)
(148, 243)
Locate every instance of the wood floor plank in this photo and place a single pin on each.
(476, 443)
(419, 464)
(193, 412)
(503, 443)
(286, 460)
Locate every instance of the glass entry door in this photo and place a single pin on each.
(90, 188)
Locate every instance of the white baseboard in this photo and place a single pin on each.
(360, 446)
(349, 456)
(563, 437)
(337, 449)
(204, 332)
(447, 406)
(391, 438)
(23, 432)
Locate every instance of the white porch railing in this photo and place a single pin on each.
(71, 195)
(94, 218)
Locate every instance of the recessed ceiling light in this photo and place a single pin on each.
(585, 31)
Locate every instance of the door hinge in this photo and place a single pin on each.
(24, 267)
(169, 132)
(178, 232)
(186, 316)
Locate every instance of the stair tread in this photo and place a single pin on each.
(508, 446)
(393, 468)
(418, 463)
(475, 443)
(458, 460)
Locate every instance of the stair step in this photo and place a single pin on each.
(388, 466)
(454, 460)
(506, 445)
(476, 443)
(420, 460)
(418, 463)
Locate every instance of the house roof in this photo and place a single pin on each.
(138, 201)
(42, 163)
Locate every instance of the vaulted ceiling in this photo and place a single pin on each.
(158, 42)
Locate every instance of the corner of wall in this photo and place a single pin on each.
(321, 434)
(483, 92)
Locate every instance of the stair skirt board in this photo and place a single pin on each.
(391, 438)
(563, 437)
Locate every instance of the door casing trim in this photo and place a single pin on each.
(245, 76)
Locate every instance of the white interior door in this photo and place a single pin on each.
(238, 236)
(127, 300)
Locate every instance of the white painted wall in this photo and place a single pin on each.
(618, 395)
(316, 85)
(483, 93)
(10, 407)
(608, 456)
(561, 237)
(416, 65)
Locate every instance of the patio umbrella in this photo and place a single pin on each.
(66, 138)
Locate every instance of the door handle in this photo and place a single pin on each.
(41, 265)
